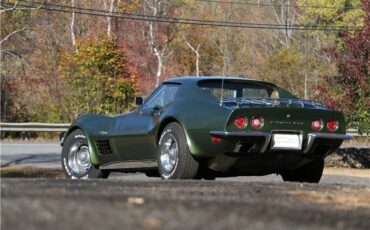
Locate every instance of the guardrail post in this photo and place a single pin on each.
(61, 136)
(25, 136)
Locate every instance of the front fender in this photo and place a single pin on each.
(93, 126)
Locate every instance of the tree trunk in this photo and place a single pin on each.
(196, 51)
(72, 26)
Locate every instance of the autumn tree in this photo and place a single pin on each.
(96, 79)
(348, 89)
(331, 13)
(14, 48)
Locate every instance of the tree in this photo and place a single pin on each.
(111, 7)
(160, 35)
(331, 12)
(96, 79)
(284, 15)
(287, 66)
(348, 90)
(13, 62)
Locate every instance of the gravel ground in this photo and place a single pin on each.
(140, 203)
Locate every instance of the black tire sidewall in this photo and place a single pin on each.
(76, 136)
(166, 131)
(186, 166)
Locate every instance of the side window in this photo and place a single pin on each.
(162, 98)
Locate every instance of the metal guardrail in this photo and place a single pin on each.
(354, 132)
(33, 127)
(46, 127)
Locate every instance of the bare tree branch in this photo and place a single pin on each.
(11, 34)
(17, 55)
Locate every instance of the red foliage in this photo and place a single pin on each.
(140, 60)
(353, 58)
(349, 90)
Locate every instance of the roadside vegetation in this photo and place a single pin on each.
(56, 66)
(20, 171)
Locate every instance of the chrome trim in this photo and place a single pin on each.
(265, 145)
(79, 158)
(168, 153)
(312, 136)
(267, 136)
(239, 134)
(132, 164)
(273, 102)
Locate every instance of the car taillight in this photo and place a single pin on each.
(332, 125)
(215, 139)
(257, 122)
(317, 125)
(241, 122)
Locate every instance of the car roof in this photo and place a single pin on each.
(201, 78)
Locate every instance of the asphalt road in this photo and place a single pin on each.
(37, 154)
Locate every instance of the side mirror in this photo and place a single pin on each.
(139, 100)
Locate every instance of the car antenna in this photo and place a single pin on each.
(222, 90)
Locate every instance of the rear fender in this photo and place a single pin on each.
(197, 120)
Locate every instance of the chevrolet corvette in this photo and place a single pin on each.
(208, 127)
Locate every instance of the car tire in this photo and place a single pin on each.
(76, 162)
(174, 158)
(310, 173)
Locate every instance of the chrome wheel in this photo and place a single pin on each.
(169, 153)
(79, 158)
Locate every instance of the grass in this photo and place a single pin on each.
(17, 171)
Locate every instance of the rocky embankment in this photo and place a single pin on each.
(349, 158)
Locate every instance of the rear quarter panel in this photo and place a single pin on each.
(198, 116)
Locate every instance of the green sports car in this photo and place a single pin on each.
(208, 127)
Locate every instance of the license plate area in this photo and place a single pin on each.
(286, 141)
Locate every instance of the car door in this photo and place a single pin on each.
(139, 128)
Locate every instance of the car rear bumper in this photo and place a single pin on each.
(315, 138)
(324, 143)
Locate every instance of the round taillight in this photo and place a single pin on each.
(241, 122)
(257, 122)
(317, 125)
(332, 125)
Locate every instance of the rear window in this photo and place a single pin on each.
(234, 89)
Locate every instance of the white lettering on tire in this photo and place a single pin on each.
(80, 136)
(66, 167)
